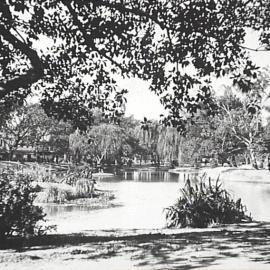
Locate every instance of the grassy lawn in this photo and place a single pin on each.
(233, 247)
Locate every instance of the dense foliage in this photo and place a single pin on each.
(202, 204)
(18, 214)
(102, 141)
(29, 126)
(158, 41)
(235, 135)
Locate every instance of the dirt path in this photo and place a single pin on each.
(237, 247)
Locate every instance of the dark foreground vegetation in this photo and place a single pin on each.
(202, 204)
(18, 214)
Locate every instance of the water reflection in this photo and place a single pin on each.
(151, 175)
(56, 209)
(143, 196)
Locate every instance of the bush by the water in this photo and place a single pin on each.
(54, 194)
(85, 188)
(63, 193)
(18, 214)
(202, 204)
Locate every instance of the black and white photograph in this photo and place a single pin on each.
(134, 134)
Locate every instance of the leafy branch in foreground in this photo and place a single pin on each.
(201, 204)
(72, 53)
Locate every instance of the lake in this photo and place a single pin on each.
(141, 197)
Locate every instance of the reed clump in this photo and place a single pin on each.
(203, 203)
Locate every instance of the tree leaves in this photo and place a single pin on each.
(152, 40)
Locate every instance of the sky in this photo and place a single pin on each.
(141, 102)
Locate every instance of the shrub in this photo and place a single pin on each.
(54, 194)
(18, 215)
(202, 204)
(85, 188)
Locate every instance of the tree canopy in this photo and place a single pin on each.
(27, 125)
(100, 142)
(158, 41)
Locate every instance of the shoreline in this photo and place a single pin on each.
(216, 247)
(238, 174)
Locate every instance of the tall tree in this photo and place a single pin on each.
(78, 144)
(58, 137)
(27, 125)
(100, 142)
(240, 117)
(168, 144)
(153, 40)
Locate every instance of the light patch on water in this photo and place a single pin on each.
(143, 203)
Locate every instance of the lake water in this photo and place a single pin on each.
(141, 197)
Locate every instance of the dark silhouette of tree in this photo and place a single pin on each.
(152, 40)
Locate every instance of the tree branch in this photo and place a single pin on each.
(87, 37)
(135, 11)
(254, 50)
(31, 76)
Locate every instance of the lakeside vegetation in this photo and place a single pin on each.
(62, 118)
(234, 135)
(18, 214)
(205, 203)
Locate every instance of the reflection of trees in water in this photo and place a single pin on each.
(54, 209)
(150, 176)
(160, 176)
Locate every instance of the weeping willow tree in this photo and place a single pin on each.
(106, 141)
(78, 145)
(169, 144)
(190, 147)
(101, 142)
(148, 133)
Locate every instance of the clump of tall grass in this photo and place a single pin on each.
(54, 194)
(61, 193)
(85, 188)
(204, 203)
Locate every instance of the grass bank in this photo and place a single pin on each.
(233, 247)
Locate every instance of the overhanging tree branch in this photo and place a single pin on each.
(123, 9)
(28, 78)
(88, 38)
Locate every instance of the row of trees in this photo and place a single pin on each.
(233, 134)
(29, 126)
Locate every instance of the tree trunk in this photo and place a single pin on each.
(10, 155)
(234, 164)
(247, 160)
(253, 159)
